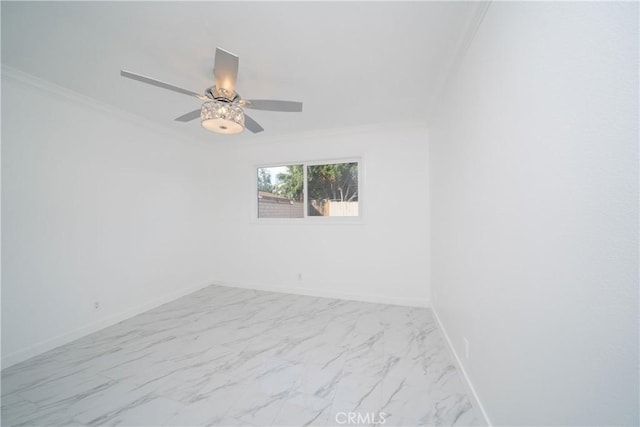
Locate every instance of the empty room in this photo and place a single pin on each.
(320, 213)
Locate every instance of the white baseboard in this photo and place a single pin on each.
(314, 292)
(50, 344)
(471, 391)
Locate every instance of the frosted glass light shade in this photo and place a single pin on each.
(222, 117)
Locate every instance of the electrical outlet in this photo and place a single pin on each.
(96, 305)
(466, 348)
(300, 277)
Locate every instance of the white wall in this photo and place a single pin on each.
(381, 259)
(95, 207)
(100, 206)
(534, 161)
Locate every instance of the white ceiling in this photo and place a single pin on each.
(351, 63)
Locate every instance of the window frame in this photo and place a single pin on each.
(306, 218)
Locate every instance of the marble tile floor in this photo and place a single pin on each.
(226, 357)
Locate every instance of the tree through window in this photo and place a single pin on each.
(330, 190)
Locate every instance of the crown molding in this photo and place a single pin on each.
(338, 132)
(462, 48)
(101, 107)
(19, 76)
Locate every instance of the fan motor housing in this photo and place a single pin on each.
(221, 94)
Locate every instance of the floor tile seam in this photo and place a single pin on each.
(328, 406)
(182, 407)
(123, 409)
(243, 418)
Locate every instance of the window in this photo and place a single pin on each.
(280, 192)
(309, 190)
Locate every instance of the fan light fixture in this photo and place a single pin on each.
(223, 109)
(222, 117)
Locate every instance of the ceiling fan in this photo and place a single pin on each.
(222, 111)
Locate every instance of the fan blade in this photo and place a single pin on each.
(158, 83)
(272, 105)
(192, 115)
(252, 125)
(225, 71)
